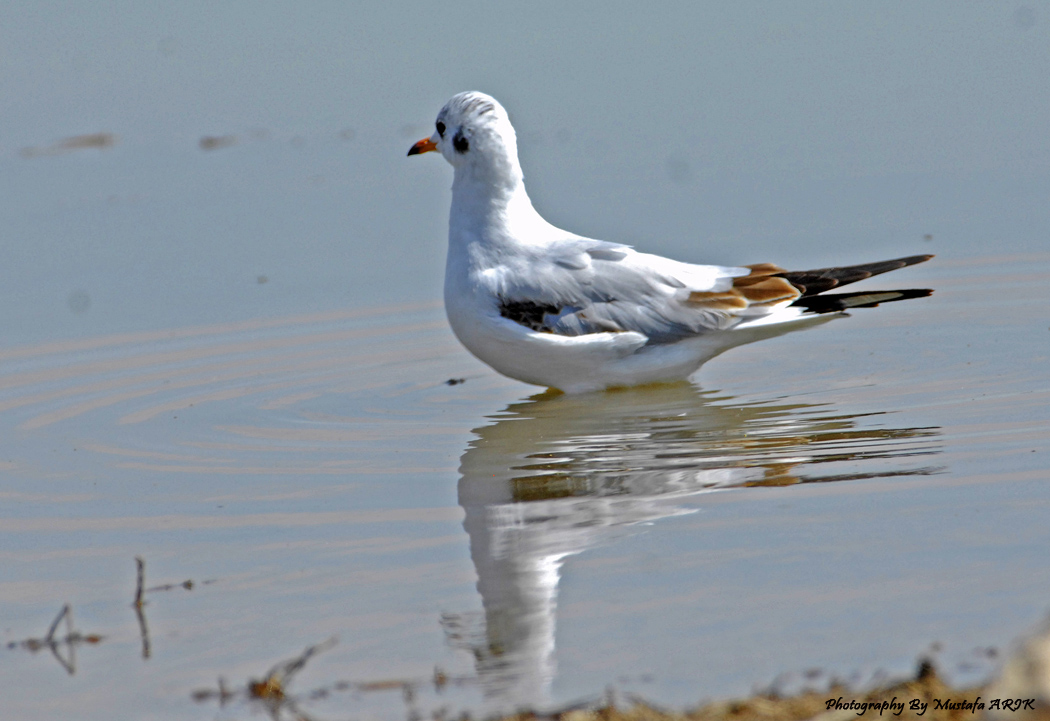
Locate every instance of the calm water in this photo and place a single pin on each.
(840, 499)
(222, 353)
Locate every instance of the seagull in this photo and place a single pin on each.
(552, 308)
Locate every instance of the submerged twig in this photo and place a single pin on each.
(55, 644)
(140, 614)
(140, 600)
(139, 586)
(69, 665)
(138, 604)
(187, 584)
(272, 689)
(273, 686)
(65, 613)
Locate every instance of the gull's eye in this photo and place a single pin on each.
(440, 128)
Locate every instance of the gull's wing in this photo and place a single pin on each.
(580, 286)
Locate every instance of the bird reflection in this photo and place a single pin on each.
(552, 475)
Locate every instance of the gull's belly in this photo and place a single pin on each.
(570, 363)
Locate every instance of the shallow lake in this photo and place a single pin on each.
(224, 355)
(837, 499)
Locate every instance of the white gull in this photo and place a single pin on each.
(549, 307)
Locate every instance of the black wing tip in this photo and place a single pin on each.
(914, 259)
(812, 282)
(838, 302)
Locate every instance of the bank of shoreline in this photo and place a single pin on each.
(926, 697)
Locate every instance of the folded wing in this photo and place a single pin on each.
(590, 286)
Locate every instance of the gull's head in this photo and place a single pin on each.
(473, 131)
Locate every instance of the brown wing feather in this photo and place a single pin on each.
(765, 290)
(768, 284)
(760, 287)
(760, 269)
(728, 300)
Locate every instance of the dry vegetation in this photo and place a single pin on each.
(942, 703)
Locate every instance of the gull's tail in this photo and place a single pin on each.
(811, 283)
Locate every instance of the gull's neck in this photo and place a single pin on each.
(491, 209)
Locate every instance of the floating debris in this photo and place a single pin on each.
(215, 142)
(272, 687)
(272, 690)
(78, 301)
(98, 141)
(223, 694)
(139, 603)
(56, 645)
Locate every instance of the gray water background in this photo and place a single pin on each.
(230, 361)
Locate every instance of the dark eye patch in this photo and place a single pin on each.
(460, 142)
(440, 128)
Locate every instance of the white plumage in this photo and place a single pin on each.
(549, 307)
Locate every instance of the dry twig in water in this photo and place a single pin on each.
(70, 641)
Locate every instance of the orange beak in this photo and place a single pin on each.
(423, 146)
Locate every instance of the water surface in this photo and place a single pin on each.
(840, 498)
(222, 351)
